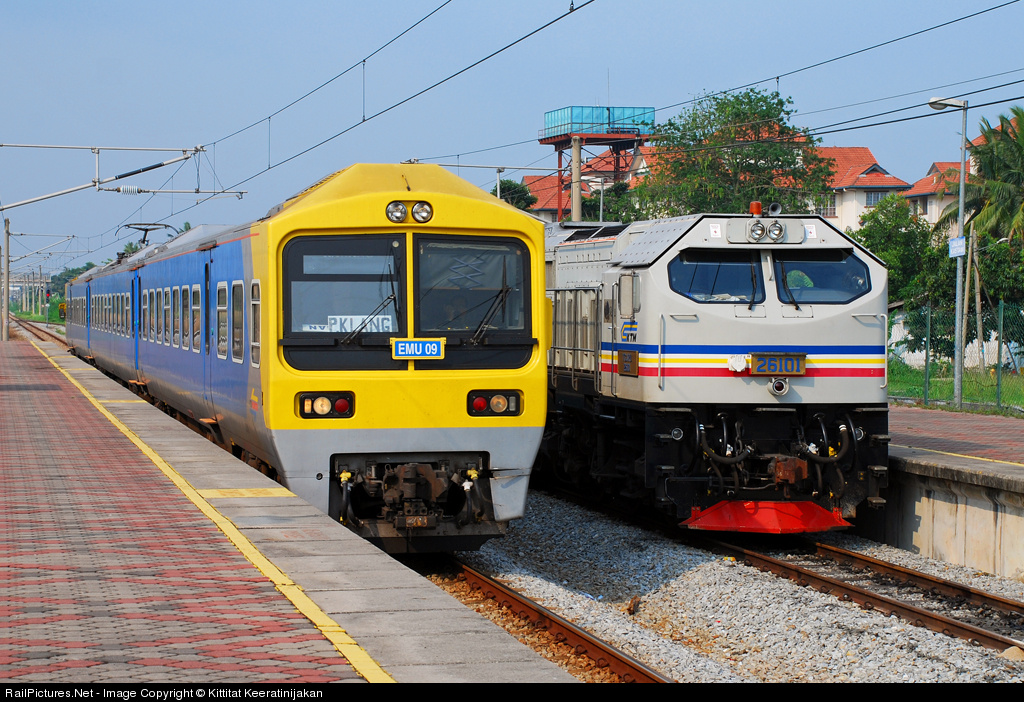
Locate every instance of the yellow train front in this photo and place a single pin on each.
(406, 395)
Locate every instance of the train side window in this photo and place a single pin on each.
(144, 322)
(237, 321)
(254, 324)
(167, 316)
(222, 320)
(159, 316)
(718, 276)
(197, 309)
(152, 316)
(176, 315)
(186, 328)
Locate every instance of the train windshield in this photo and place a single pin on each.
(715, 275)
(347, 286)
(470, 288)
(830, 276)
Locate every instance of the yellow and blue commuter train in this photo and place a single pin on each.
(378, 343)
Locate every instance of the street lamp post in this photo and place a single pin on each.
(958, 343)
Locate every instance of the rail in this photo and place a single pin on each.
(917, 616)
(603, 654)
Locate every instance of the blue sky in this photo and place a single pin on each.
(186, 73)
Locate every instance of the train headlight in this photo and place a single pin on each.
(397, 212)
(776, 231)
(498, 404)
(778, 386)
(422, 212)
(322, 405)
(756, 231)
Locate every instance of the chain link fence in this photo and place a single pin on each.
(921, 352)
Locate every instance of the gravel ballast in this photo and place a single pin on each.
(700, 618)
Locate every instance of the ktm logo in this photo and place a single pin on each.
(629, 331)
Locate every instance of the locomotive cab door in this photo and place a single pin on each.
(620, 327)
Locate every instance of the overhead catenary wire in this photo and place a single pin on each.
(361, 62)
(406, 99)
(296, 155)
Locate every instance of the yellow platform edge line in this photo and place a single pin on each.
(231, 493)
(360, 660)
(958, 455)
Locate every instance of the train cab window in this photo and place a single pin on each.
(186, 328)
(237, 318)
(475, 294)
(176, 314)
(344, 299)
(222, 320)
(254, 324)
(718, 276)
(197, 309)
(824, 276)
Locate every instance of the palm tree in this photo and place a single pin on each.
(994, 195)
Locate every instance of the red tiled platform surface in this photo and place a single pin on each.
(985, 436)
(108, 573)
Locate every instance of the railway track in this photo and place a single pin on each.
(39, 331)
(923, 600)
(603, 655)
(935, 594)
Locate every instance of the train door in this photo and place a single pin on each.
(134, 322)
(209, 311)
(88, 315)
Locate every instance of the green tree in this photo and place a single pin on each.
(730, 149)
(900, 239)
(515, 194)
(67, 275)
(994, 196)
(619, 204)
(130, 248)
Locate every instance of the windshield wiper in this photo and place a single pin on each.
(785, 284)
(753, 285)
(497, 303)
(366, 320)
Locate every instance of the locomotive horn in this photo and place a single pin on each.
(774, 209)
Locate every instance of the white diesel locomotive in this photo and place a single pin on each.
(730, 369)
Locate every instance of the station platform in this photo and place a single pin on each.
(132, 550)
(979, 449)
(956, 489)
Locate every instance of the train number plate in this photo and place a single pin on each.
(778, 363)
(412, 349)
